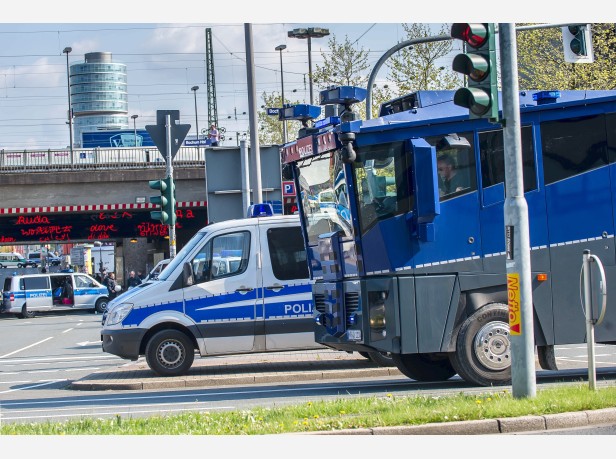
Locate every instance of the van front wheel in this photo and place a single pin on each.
(170, 353)
(25, 314)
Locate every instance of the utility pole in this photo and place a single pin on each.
(517, 239)
(252, 115)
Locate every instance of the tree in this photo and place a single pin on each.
(541, 62)
(343, 65)
(416, 68)
(270, 127)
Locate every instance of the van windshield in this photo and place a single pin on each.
(182, 254)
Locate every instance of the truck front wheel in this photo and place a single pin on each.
(170, 353)
(483, 347)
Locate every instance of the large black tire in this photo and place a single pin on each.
(382, 359)
(170, 353)
(424, 367)
(101, 305)
(25, 314)
(483, 348)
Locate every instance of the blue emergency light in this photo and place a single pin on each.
(546, 97)
(345, 95)
(301, 112)
(260, 210)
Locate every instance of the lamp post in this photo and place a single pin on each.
(134, 118)
(284, 122)
(309, 33)
(194, 90)
(66, 51)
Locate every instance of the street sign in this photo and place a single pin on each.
(288, 189)
(158, 132)
(273, 111)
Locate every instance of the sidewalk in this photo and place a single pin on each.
(239, 369)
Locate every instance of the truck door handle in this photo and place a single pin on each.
(244, 290)
(276, 288)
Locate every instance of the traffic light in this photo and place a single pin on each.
(479, 65)
(166, 200)
(577, 43)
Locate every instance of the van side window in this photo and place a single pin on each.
(83, 282)
(34, 283)
(287, 253)
(223, 256)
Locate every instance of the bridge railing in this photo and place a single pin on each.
(12, 161)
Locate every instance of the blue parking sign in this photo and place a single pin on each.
(288, 189)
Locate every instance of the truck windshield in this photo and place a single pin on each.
(382, 176)
(324, 196)
(182, 254)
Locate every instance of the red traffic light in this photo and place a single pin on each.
(474, 35)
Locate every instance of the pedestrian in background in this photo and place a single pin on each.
(133, 280)
(213, 135)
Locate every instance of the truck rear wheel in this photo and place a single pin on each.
(170, 353)
(424, 367)
(382, 359)
(483, 348)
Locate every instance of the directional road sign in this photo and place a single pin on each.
(158, 132)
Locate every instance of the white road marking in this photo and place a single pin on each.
(86, 343)
(24, 348)
(68, 330)
(49, 359)
(32, 387)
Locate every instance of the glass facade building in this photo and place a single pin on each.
(99, 97)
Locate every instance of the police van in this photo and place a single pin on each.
(26, 294)
(12, 260)
(238, 286)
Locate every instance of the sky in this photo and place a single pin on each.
(163, 46)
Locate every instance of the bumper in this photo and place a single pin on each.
(123, 343)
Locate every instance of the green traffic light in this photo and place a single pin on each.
(473, 65)
(475, 99)
(159, 215)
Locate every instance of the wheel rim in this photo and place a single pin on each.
(492, 346)
(171, 354)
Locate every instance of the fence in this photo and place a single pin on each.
(95, 158)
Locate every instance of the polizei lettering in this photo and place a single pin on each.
(298, 308)
(305, 150)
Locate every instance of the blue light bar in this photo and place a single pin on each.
(301, 112)
(260, 210)
(329, 121)
(546, 97)
(345, 95)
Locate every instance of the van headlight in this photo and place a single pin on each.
(118, 313)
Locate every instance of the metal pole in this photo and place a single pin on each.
(310, 68)
(245, 165)
(252, 115)
(519, 281)
(67, 50)
(590, 329)
(284, 123)
(172, 244)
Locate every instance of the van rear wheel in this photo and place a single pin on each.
(170, 353)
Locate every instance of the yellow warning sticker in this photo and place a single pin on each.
(513, 294)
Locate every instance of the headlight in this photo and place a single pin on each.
(118, 313)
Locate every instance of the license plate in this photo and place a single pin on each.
(354, 335)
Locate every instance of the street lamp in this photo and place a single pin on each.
(134, 118)
(194, 89)
(309, 33)
(67, 50)
(284, 122)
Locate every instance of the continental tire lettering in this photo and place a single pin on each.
(513, 299)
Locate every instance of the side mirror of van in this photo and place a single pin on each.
(187, 275)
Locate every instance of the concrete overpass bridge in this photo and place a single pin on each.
(49, 197)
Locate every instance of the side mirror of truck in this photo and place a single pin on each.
(188, 275)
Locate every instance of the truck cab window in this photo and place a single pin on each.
(455, 162)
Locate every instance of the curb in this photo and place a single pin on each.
(492, 426)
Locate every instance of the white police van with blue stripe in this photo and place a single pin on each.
(236, 287)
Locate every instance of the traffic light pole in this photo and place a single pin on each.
(172, 241)
(517, 239)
